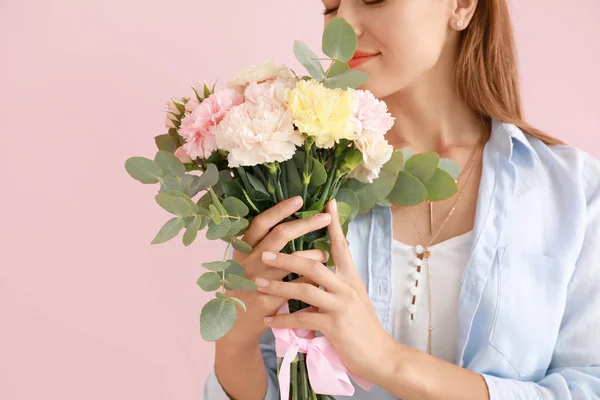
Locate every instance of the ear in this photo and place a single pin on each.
(463, 11)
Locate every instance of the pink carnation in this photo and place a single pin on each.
(198, 127)
(372, 113)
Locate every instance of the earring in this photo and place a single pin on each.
(459, 23)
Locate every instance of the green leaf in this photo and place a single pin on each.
(384, 203)
(369, 194)
(256, 183)
(242, 246)
(190, 185)
(337, 68)
(349, 79)
(235, 300)
(309, 59)
(169, 182)
(165, 142)
(218, 231)
(349, 197)
(407, 154)
(210, 177)
(216, 202)
(214, 213)
(325, 246)
(339, 40)
(315, 169)
(192, 231)
(143, 170)
(237, 283)
(450, 167)
(307, 214)
(408, 190)
(235, 207)
(344, 211)
(293, 176)
(173, 204)
(422, 166)
(209, 281)
(235, 269)
(441, 186)
(207, 91)
(395, 163)
(217, 266)
(169, 230)
(183, 196)
(169, 163)
(237, 227)
(216, 319)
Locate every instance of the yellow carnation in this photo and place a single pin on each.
(328, 115)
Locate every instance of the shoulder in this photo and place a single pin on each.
(569, 166)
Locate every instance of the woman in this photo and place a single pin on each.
(491, 294)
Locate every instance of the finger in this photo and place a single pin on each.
(288, 231)
(313, 321)
(265, 221)
(316, 255)
(312, 269)
(275, 302)
(339, 245)
(299, 291)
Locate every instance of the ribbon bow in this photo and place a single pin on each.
(326, 372)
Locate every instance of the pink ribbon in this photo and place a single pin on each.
(326, 372)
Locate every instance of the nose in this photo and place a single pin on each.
(347, 11)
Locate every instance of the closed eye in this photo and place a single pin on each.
(328, 11)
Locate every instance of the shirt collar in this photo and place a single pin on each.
(506, 135)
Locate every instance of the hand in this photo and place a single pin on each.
(346, 315)
(266, 233)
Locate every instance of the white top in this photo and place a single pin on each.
(447, 261)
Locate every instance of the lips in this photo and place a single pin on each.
(361, 57)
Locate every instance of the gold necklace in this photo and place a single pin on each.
(423, 252)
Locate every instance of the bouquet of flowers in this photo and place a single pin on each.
(271, 135)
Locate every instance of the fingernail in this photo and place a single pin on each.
(296, 201)
(333, 205)
(268, 320)
(260, 282)
(268, 256)
(325, 217)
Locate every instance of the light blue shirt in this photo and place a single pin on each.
(529, 305)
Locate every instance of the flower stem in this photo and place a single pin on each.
(295, 379)
(305, 173)
(304, 377)
(327, 188)
(283, 180)
(242, 172)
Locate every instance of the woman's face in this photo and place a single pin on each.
(408, 35)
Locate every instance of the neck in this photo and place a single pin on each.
(430, 116)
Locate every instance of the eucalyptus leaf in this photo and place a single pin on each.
(339, 40)
(217, 266)
(144, 170)
(218, 231)
(169, 163)
(191, 231)
(209, 281)
(369, 194)
(173, 204)
(214, 213)
(242, 246)
(169, 182)
(450, 166)
(325, 246)
(239, 302)
(165, 142)
(441, 186)
(395, 163)
(237, 283)
(344, 211)
(169, 230)
(307, 214)
(217, 202)
(210, 177)
(350, 79)
(235, 207)
(216, 319)
(235, 269)
(337, 68)
(309, 60)
(349, 197)
(237, 227)
(190, 185)
(422, 166)
(407, 154)
(408, 190)
(183, 196)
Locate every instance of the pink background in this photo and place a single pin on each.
(88, 308)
